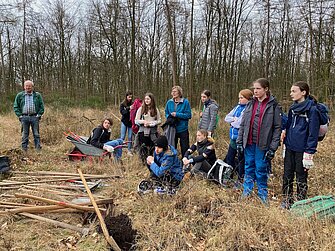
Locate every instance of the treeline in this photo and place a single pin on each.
(78, 50)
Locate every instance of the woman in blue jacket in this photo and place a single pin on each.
(301, 140)
(179, 108)
(234, 118)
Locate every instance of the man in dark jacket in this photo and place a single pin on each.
(29, 108)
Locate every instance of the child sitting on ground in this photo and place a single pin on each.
(206, 154)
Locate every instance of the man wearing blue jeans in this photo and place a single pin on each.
(29, 108)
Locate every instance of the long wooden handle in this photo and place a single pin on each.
(84, 231)
(109, 238)
(26, 208)
(55, 202)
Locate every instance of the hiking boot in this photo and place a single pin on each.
(160, 190)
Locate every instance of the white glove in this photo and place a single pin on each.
(307, 160)
(109, 148)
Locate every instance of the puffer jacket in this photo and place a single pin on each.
(234, 118)
(302, 128)
(209, 114)
(270, 125)
(167, 162)
(205, 149)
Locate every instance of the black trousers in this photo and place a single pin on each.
(293, 167)
(146, 146)
(184, 139)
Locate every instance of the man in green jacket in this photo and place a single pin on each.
(29, 108)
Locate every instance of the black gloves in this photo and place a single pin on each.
(269, 154)
(239, 149)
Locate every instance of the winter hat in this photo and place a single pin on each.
(162, 142)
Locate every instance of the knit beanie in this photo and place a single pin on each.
(162, 142)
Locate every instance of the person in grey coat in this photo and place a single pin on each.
(258, 138)
(208, 115)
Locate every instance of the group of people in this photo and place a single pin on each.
(256, 130)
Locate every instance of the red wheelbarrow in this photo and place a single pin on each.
(82, 150)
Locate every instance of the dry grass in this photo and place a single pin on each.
(202, 216)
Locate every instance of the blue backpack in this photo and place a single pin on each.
(324, 119)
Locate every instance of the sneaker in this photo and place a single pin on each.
(144, 187)
(160, 190)
(109, 148)
(171, 191)
(130, 154)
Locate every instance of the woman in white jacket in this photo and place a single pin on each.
(147, 118)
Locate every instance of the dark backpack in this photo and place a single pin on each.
(4, 164)
(323, 119)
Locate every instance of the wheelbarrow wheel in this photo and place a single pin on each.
(74, 155)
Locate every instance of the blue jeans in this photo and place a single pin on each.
(256, 169)
(26, 122)
(124, 129)
(118, 151)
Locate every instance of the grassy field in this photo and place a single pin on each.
(202, 216)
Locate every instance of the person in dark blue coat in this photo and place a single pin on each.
(165, 167)
(301, 140)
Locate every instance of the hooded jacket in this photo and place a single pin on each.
(269, 129)
(167, 162)
(208, 118)
(302, 128)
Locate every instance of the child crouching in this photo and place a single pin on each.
(165, 167)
